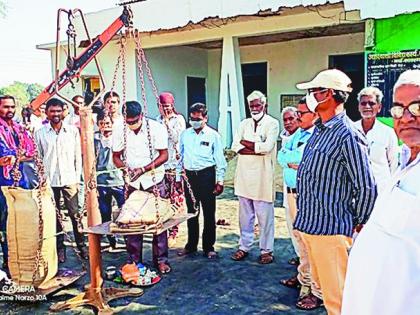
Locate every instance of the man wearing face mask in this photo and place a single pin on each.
(175, 125)
(335, 185)
(205, 166)
(140, 164)
(59, 146)
(256, 145)
(382, 141)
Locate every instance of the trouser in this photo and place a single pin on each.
(170, 186)
(69, 194)
(202, 184)
(134, 243)
(304, 270)
(290, 218)
(3, 227)
(105, 195)
(264, 211)
(328, 256)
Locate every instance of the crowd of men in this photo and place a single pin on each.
(347, 185)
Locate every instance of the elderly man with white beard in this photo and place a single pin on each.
(255, 142)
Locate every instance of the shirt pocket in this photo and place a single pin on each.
(377, 151)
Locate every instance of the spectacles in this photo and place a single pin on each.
(370, 103)
(397, 111)
(317, 90)
(300, 114)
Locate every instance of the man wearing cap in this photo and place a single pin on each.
(175, 125)
(256, 145)
(335, 185)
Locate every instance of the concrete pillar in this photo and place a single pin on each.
(231, 99)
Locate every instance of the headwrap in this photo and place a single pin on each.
(166, 98)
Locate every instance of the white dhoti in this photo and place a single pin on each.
(264, 211)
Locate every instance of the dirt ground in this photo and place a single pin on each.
(197, 285)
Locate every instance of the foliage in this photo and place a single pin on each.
(23, 92)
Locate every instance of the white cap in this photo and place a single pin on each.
(411, 77)
(329, 79)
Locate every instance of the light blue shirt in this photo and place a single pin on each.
(202, 150)
(292, 152)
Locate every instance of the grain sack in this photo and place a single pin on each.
(140, 208)
(23, 235)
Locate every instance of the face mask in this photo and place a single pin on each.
(196, 124)
(258, 116)
(312, 103)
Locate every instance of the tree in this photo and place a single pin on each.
(33, 90)
(23, 92)
(3, 8)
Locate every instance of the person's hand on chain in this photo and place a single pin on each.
(218, 189)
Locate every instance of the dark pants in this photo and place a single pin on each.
(105, 195)
(69, 194)
(202, 184)
(3, 227)
(134, 243)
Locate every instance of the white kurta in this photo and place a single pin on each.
(254, 176)
(383, 275)
(383, 152)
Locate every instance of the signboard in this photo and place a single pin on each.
(383, 71)
(290, 100)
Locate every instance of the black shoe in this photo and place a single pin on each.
(62, 255)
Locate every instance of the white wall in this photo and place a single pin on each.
(170, 67)
(288, 63)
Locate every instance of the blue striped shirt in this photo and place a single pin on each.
(335, 185)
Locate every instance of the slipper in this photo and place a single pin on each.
(211, 255)
(292, 283)
(309, 302)
(266, 258)
(239, 255)
(164, 268)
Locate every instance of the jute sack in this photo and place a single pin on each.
(140, 208)
(23, 235)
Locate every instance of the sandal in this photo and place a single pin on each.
(211, 255)
(266, 258)
(309, 302)
(164, 268)
(292, 283)
(239, 255)
(295, 261)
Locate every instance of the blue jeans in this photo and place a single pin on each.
(105, 195)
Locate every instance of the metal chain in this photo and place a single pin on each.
(143, 60)
(149, 136)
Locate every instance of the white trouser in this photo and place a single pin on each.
(264, 211)
(289, 221)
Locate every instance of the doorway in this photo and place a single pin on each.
(353, 66)
(254, 77)
(196, 91)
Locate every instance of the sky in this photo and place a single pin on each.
(27, 24)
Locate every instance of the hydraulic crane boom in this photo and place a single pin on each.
(81, 61)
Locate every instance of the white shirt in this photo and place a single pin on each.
(138, 152)
(383, 152)
(254, 176)
(176, 125)
(36, 123)
(61, 154)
